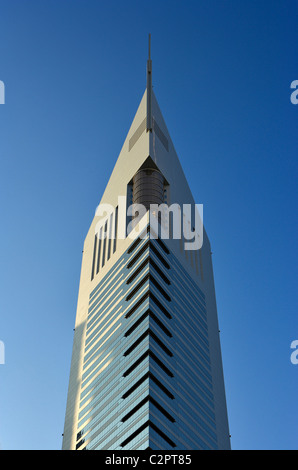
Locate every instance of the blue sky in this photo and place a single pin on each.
(74, 74)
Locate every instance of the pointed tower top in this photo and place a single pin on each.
(149, 89)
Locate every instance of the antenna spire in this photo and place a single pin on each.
(149, 88)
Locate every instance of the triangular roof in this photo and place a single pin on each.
(140, 144)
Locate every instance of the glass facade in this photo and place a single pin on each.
(146, 381)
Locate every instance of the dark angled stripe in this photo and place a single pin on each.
(161, 386)
(138, 255)
(154, 299)
(135, 386)
(143, 282)
(137, 241)
(138, 287)
(144, 426)
(134, 434)
(159, 256)
(160, 343)
(158, 287)
(161, 364)
(142, 380)
(142, 337)
(163, 246)
(154, 318)
(136, 363)
(136, 343)
(142, 266)
(160, 324)
(137, 304)
(160, 306)
(137, 323)
(142, 403)
(161, 409)
(137, 271)
(162, 434)
(135, 409)
(159, 271)
(147, 245)
(142, 358)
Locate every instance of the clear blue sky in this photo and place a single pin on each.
(75, 72)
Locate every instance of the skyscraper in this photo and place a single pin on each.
(146, 368)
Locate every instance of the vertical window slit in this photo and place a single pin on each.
(99, 251)
(110, 237)
(104, 244)
(115, 230)
(94, 256)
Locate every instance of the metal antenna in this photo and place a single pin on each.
(149, 88)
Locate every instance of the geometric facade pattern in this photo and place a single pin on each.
(141, 387)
